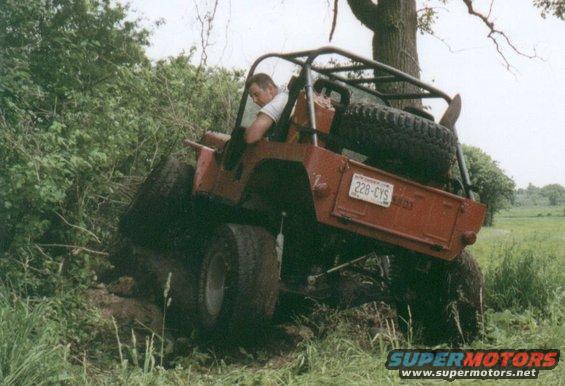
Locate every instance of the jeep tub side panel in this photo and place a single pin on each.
(419, 218)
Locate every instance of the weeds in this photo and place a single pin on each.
(30, 353)
(525, 278)
(525, 309)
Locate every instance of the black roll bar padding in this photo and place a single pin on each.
(373, 64)
(234, 148)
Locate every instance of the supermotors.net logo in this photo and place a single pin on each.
(471, 364)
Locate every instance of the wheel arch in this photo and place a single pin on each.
(278, 185)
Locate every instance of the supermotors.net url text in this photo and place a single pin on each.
(469, 374)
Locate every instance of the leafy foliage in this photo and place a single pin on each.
(553, 7)
(552, 194)
(495, 189)
(555, 193)
(83, 112)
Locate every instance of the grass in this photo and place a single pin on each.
(522, 257)
(30, 353)
(532, 211)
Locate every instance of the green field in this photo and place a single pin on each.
(522, 257)
(530, 227)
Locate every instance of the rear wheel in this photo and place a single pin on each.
(238, 282)
(438, 301)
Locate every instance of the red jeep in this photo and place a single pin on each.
(338, 188)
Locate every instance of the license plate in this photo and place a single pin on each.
(371, 190)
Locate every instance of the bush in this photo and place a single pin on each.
(83, 112)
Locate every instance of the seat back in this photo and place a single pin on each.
(300, 129)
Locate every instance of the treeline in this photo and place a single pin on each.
(552, 195)
(83, 111)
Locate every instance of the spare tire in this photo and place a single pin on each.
(159, 204)
(397, 141)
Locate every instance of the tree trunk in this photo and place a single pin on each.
(394, 24)
(489, 218)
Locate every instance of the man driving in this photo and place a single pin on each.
(272, 101)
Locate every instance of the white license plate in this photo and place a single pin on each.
(371, 190)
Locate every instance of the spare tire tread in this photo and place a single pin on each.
(425, 148)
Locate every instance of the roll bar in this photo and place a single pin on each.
(307, 61)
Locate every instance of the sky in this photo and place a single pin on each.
(517, 117)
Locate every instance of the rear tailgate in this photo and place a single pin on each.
(405, 213)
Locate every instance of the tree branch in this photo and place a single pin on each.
(334, 21)
(495, 33)
(206, 24)
(490, 9)
(365, 11)
(75, 249)
(79, 228)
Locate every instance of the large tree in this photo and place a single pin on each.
(395, 24)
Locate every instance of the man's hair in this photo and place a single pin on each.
(262, 80)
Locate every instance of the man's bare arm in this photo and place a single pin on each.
(258, 128)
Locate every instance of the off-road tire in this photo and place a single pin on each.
(438, 301)
(172, 280)
(245, 255)
(160, 202)
(397, 141)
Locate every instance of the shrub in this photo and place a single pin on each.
(83, 112)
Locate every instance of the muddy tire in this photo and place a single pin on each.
(238, 283)
(175, 274)
(438, 301)
(397, 141)
(159, 203)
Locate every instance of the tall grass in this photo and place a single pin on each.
(526, 277)
(522, 261)
(30, 353)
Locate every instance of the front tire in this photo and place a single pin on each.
(238, 282)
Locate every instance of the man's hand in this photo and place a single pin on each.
(258, 128)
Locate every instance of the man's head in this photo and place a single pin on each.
(261, 89)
